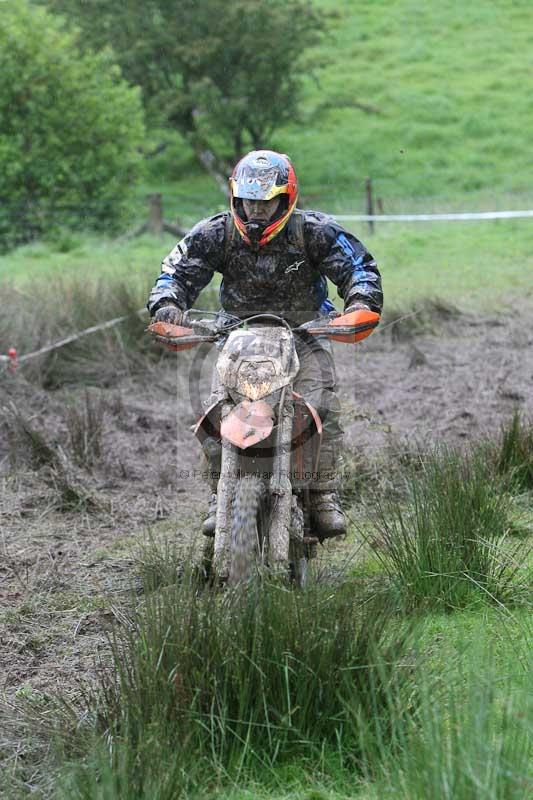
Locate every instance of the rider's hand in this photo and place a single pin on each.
(356, 307)
(169, 313)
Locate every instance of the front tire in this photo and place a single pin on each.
(247, 534)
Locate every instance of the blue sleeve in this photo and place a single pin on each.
(342, 258)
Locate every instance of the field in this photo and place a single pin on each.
(102, 498)
(404, 669)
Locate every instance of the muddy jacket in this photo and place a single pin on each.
(286, 277)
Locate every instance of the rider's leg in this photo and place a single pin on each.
(316, 381)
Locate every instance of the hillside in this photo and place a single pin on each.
(451, 122)
(448, 81)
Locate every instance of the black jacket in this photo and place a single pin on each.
(286, 277)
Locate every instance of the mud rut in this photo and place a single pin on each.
(65, 576)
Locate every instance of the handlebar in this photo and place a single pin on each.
(349, 328)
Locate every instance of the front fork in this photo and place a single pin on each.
(229, 474)
(281, 487)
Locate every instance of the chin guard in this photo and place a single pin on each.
(254, 231)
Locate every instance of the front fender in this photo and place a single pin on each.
(248, 424)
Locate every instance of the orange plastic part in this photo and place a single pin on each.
(248, 424)
(368, 319)
(312, 410)
(169, 331)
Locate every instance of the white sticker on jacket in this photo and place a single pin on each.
(179, 252)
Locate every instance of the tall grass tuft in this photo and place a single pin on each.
(31, 447)
(27, 444)
(210, 687)
(68, 307)
(443, 545)
(85, 426)
(514, 457)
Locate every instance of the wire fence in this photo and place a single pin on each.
(157, 224)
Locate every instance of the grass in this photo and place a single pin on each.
(67, 307)
(96, 258)
(86, 430)
(209, 689)
(443, 547)
(452, 121)
(327, 693)
(32, 447)
(467, 743)
(451, 117)
(514, 459)
(481, 266)
(444, 713)
(451, 528)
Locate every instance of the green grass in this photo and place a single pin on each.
(446, 79)
(87, 257)
(330, 692)
(453, 123)
(443, 545)
(478, 266)
(514, 459)
(443, 714)
(212, 688)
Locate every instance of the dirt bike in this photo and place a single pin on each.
(268, 437)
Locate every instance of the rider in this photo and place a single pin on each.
(276, 259)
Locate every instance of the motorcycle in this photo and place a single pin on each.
(267, 437)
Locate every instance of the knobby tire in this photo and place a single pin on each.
(246, 534)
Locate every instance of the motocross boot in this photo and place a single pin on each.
(327, 516)
(209, 523)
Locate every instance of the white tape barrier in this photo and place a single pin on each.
(14, 359)
(433, 217)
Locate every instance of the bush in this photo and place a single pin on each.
(70, 128)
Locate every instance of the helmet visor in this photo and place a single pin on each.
(252, 183)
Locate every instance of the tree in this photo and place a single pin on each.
(70, 128)
(225, 74)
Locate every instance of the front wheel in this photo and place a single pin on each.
(247, 534)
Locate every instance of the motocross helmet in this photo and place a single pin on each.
(263, 175)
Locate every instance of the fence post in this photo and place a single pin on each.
(369, 202)
(155, 220)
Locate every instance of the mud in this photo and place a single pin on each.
(458, 385)
(64, 576)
